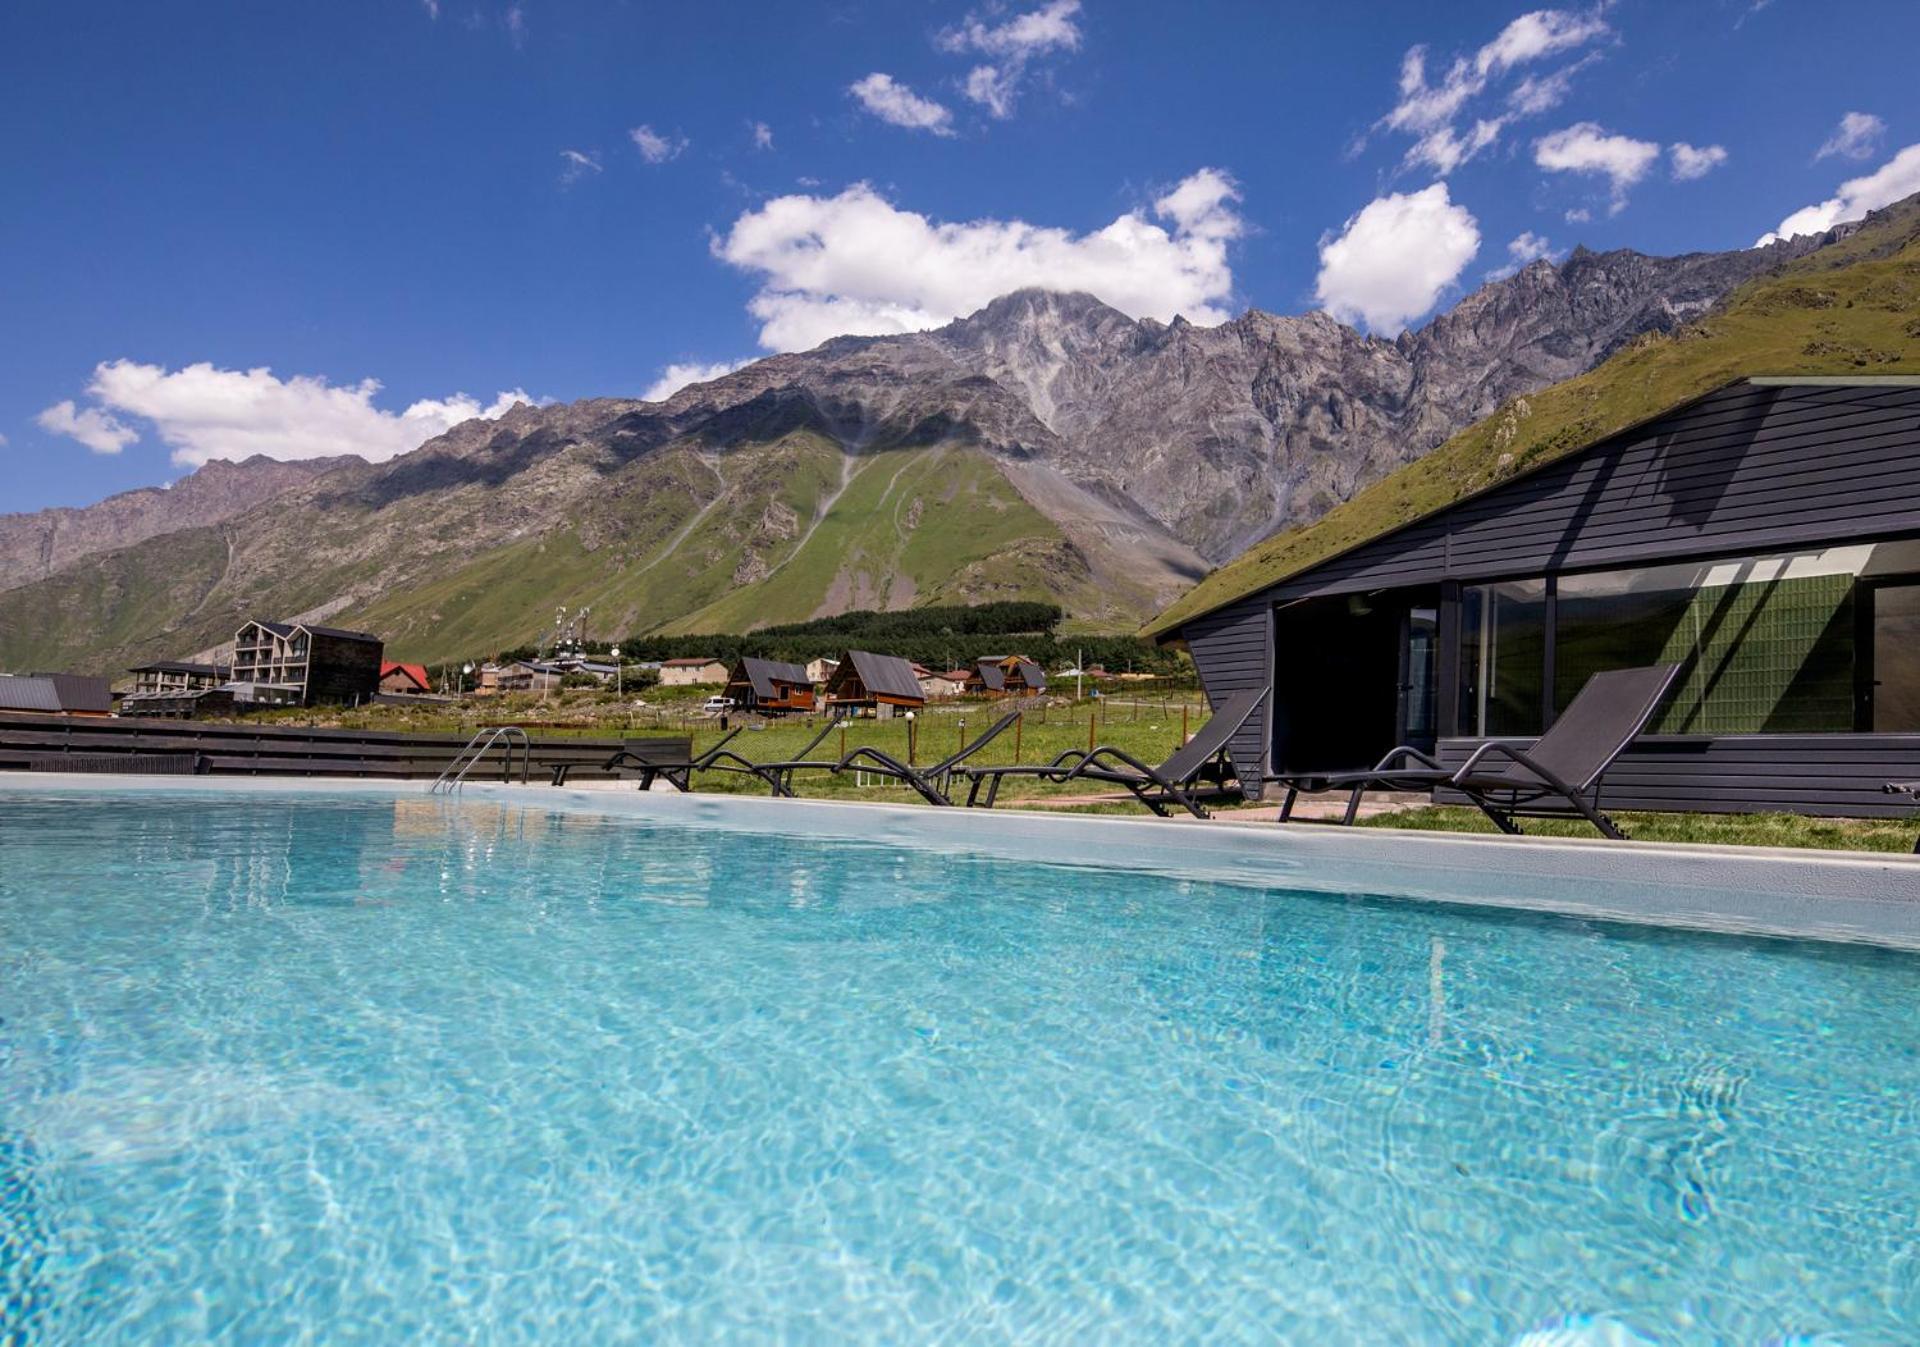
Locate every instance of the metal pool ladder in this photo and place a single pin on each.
(450, 781)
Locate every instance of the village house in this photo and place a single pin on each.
(404, 680)
(1006, 676)
(691, 671)
(944, 686)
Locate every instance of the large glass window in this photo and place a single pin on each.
(1503, 648)
(1766, 644)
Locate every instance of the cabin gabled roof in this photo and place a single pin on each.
(881, 675)
(765, 676)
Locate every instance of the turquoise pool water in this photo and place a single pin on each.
(351, 1069)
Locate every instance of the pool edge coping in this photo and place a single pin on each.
(1852, 897)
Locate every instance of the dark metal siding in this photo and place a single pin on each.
(1836, 775)
(1233, 651)
(341, 670)
(1750, 468)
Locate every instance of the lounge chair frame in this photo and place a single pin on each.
(1525, 784)
(778, 774)
(1170, 783)
(933, 784)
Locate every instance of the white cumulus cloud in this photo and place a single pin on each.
(655, 147)
(205, 413)
(1428, 108)
(897, 105)
(1013, 44)
(856, 263)
(673, 378)
(1857, 137)
(1695, 161)
(1587, 147)
(96, 429)
(1393, 260)
(1049, 28)
(1898, 177)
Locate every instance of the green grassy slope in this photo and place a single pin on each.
(783, 541)
(107, 604)
(911, 526)
(1852, 308)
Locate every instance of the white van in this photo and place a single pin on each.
(716, 705)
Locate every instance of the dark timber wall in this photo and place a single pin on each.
(1233, 650)
(1836, 775)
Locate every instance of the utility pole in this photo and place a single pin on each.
(1079, 674)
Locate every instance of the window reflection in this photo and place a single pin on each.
(1766, 644)
(1503, 645)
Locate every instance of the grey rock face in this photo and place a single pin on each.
(1218, 436)
(38, 544)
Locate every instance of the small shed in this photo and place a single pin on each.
(884, 683)
(769, 686)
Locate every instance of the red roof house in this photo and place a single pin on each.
(404, 680)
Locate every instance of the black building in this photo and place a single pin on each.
(299, 664)
(1767, 535)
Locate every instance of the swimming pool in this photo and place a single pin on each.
(380, 1068)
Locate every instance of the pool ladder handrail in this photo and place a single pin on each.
(477, 748)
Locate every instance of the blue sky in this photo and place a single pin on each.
(222, 220)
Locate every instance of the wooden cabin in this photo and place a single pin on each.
(883, 684)
(770, 687)
(1006, 676)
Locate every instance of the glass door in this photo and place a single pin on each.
(1419, 699)
(1890, 688)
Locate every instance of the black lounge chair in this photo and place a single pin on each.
(1155, 787)
(779, 774)
(933, 783)
(656, 759)
(1565, 764)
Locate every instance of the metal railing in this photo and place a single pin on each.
(450, 781)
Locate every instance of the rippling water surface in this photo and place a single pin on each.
(343, 1069)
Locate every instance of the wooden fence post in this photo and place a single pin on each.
(1092, 722)
(1184, 708)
